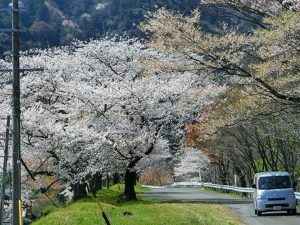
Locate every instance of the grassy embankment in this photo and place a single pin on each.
(86, 212)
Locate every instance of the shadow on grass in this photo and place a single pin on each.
(114, 196)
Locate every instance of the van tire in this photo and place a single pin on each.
(258, 213)
(292, 211)
(255, 211)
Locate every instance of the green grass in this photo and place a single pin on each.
(86, 212)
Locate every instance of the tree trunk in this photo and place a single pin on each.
(116, 178)
(96, 182)
(79, 191)
(223, 172)
(107, 181)
(241, 176)
(130, 179)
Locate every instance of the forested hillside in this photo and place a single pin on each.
(59, 22)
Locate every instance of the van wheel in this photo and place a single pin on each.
(293, 211)
(258, 213)
(255, 211)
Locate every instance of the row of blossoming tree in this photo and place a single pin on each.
(109, 105)
(103, 106)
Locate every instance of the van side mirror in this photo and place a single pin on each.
(295, 184)
(254, 186)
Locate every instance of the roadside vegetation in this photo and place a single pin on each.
(184, 104)
(86, 212)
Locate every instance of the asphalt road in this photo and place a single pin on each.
(241, 207)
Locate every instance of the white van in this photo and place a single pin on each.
(274, 191)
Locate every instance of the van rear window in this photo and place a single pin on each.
(274, 182)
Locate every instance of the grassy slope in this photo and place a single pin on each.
(86, 212)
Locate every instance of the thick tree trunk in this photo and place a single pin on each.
(130, 180)
(96, 182)
(79, 191)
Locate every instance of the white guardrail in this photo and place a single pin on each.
(214, 186)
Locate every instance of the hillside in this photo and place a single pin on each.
(58, 22)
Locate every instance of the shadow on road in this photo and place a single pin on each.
(206, 201)
(274, 214)
(188, 198)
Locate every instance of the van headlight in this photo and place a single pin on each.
(261, 197)
(291, 197)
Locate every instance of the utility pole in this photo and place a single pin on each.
(4, 176)
(16, 111)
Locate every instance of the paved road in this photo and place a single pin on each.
(242, 207)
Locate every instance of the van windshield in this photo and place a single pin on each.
(274, 182)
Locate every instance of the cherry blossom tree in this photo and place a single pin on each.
(98, 107)
(192, 165)
(145, 108)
